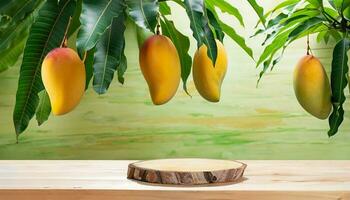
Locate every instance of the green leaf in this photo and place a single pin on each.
(331, 12)
(200, 27)
(258, 10)
(300, 14)
(95, 18)
(9, 57)
(283, 5)
(237, 38)
(335, 35)
(44, 108)
(108, 55)
(231, 33)
(144, 13)
(338, 84)
(331, 2)
(89, 62)
(275, 45)
(282, 20)
(339, 5)
(215, 24)
(323, 36)
(316, 3)
(225, 7)
(164, 9)
(346, 13)
(46, 33)
(13, 37)
(275, 21)
(329, 34)
(346, 9)
(19, 10)
(182, 44)
(278, 40)
(271, 62)
(123, 65)
(288, 5)
(306, 25)
(75, 21)
(286, 34)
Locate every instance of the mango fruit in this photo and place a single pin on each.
(312, 87)
(160, 66)
(206, 77)
(63, 75)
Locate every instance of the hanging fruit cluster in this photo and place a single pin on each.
(54, 75)
(161, 67)
(330, 20)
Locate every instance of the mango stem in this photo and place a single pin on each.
(64, 43)
(158, 24)
(308, 50)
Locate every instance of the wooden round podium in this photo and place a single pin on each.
(187, 171)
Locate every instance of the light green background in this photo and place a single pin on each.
(248, 123)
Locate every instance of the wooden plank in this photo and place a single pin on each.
(168, 195)
(106, 180)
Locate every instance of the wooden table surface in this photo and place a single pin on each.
(106, 180)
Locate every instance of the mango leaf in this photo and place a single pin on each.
(275, 45)
(339, 81)
(13, 37)
(311, 30)
(287, 15)
(144, 13)
(323, 36)
(95, 18)
(215, 24)
(123, 65)
(258, 10)
(275, 21)
(14, 47)
(346, 13)
(226, 29)
(288, 31)
(282, 5)
(89, 62)
(200, 27)
(164, 9)
(182, 44)
(237, 38)
(75, 21)
(18, 10)
(108, 55)
(46, 33)
(345, 9)
(316, 3)
(306, 25)
(335, 35)
(225, 7)
(44, 108)
(300, 14)
(339, 5)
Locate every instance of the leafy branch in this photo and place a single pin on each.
(292, 20)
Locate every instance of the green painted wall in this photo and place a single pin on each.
(249, 123)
